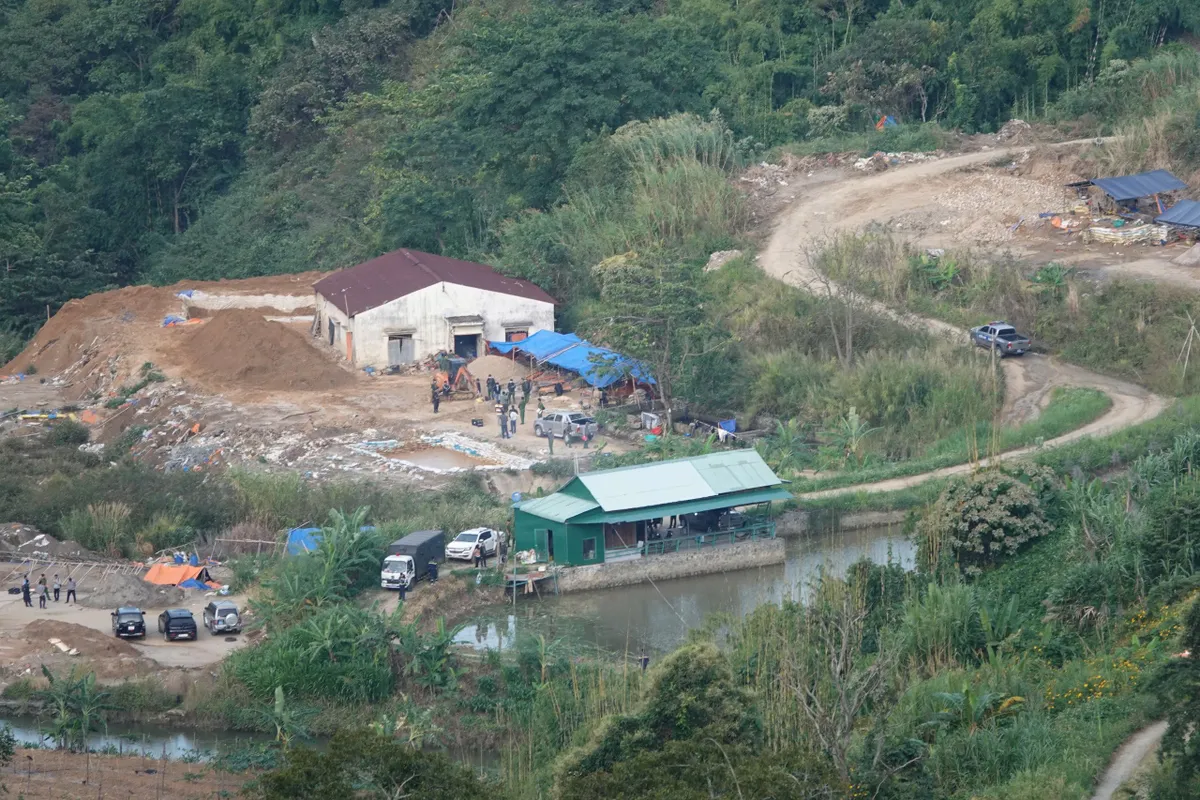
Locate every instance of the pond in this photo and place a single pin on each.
(656, 617)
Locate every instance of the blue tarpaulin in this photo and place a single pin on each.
(303, 540)
(1185, 213)
(540, 345)
(598, 366)
(1131, 187)
(728, 425)
(192, 583)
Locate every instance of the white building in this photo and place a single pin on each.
(406, 305)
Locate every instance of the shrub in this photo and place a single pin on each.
(68, 432)
(981, 520)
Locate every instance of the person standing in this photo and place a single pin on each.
(524, 400)
(71, 590)
(512, 388)
(512, 421)
(436, 401)
(432, 571)
(43, 595)
(57, 586)
(478, 388)
(475, 555)
(527, 387)
(41, 584)
(483, 554)
(25, 593)
(502, 551)
(503, 419)
(403, 588)
(603, 399)
(491, 386)
(541, 408)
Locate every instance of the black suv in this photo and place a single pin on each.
(129, 623)
(177, 623)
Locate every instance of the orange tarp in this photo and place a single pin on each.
(172, 574)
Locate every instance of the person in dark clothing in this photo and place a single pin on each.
(502, 550)
(433, 386)
(512, 388)
(403, 589)
(491, 387)
(25, 593)
(436, 401)
(432, 571)
(71, 591)
(478, 388)
(527, 387)
(503, 421)
(603, 399)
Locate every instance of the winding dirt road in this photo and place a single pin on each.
(854, 202)
(1128, 758)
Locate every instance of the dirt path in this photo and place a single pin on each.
(853, 203)
(1128, 758)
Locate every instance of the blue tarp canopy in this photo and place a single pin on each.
(303, 540)
(599, 366)
(1185, 213)
(1131, 187)
(192, 583)
(540, 345)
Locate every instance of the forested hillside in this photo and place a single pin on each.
(162, 139)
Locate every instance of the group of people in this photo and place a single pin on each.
(510, 412)
(44, 590)
(481, 556)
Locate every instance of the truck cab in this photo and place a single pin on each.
(398, 571)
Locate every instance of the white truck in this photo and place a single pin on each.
(398, 571)
(407, 559)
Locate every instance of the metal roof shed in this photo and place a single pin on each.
(1145, 184)
(1185, 213)
(603, 510)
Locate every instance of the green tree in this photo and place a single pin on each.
(365, 764)
(1177, 687)
(76, 708)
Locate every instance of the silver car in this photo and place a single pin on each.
(222, 616)
(557, 423)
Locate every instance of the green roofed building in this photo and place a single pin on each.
(649, 509)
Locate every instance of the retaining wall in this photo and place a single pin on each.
(798, 522)
(725, 558)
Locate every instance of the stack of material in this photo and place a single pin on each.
(1127, 234)
(1189, 258)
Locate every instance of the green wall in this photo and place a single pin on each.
(568, 539)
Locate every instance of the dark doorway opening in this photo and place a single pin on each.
(467, 346)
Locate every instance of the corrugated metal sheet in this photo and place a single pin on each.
(558, 507)
(735, 471)
(1185, 213)
(1145, 184)
(646, 485)
(690, 507)
(401, 272)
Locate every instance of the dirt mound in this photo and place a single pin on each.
(126, 590)
(88, 641)
(498, 367)
(18, 542)
(238, 348)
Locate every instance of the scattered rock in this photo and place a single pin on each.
(720, 259)
(1015, 131)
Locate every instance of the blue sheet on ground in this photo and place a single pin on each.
(192, 583)
(303, 540)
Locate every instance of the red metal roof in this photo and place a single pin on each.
(401, 272)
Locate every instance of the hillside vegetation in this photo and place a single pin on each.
(162, 139)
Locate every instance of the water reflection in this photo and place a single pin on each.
(656, 617)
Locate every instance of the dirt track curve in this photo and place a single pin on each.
(852, 203)
(1128, 758)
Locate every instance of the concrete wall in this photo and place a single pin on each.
(326, 310)
(742, 555)
(423, 314)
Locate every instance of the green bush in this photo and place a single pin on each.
(980, 521)
(67, 432)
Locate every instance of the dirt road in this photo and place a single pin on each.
(854, 202)
(1128, 758)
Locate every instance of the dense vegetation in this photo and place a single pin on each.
(160, 139)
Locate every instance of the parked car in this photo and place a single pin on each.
(129, 623)
(221, 616)
(177, 623)
(463, 546)
(1002, 337)
(557, 423)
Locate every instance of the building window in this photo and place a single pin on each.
(589, 549)
(516, 334)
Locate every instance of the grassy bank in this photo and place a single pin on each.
(1068, 410)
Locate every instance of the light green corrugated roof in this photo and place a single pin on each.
(689, 507)
(558, 507)
(735, 471)
(646, 484)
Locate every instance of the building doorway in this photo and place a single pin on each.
(400, 350)
(543, 543)
(331, 333)
(466, 346)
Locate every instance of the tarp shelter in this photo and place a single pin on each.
(1185, 213)
(1145, 184)
(599, 366)
(303, 540)
(177, 575)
